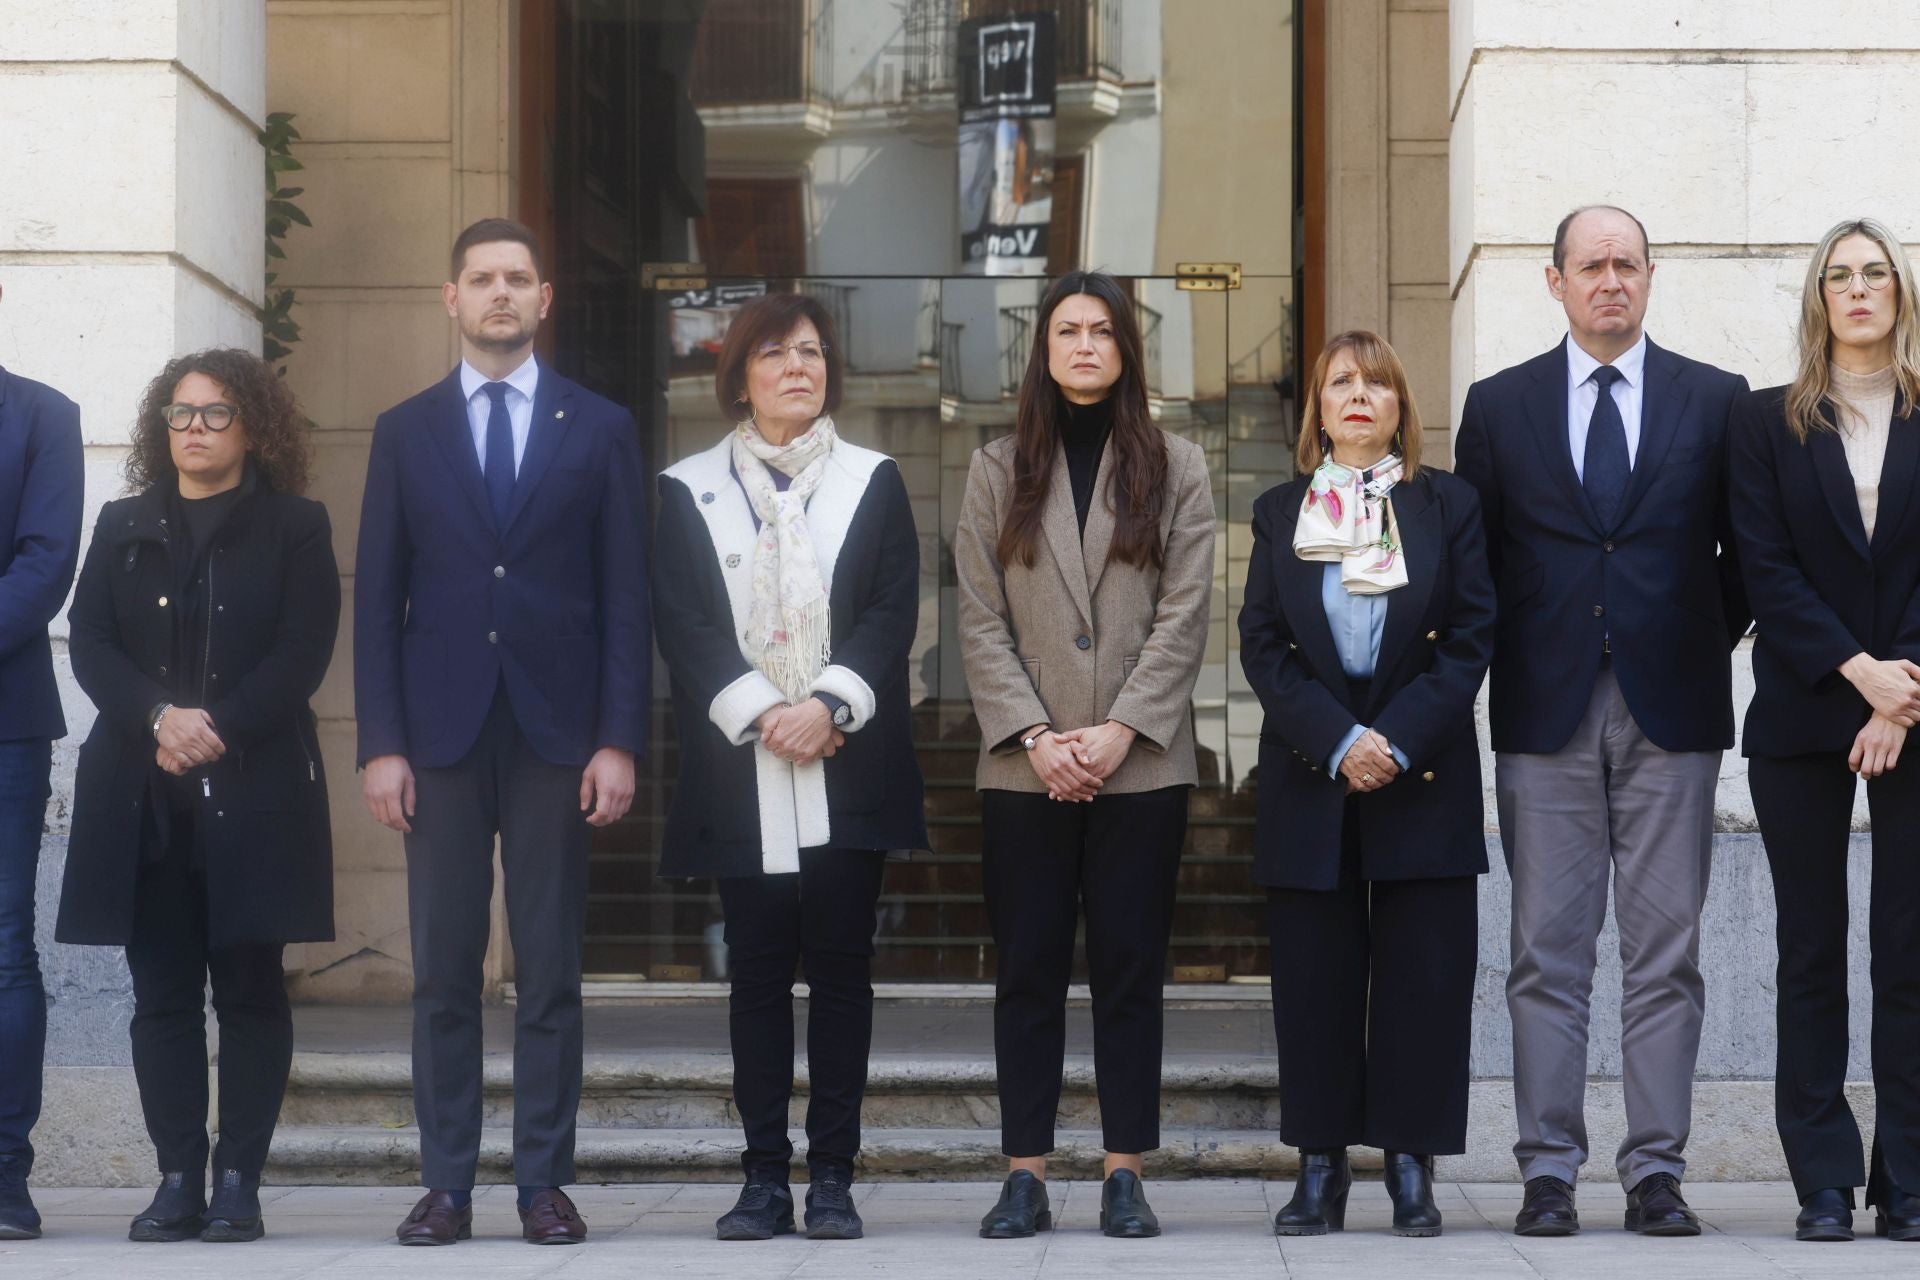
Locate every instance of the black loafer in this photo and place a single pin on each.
(1319, 1203)
(1023, 1209)
(1899, 1217)
(234, 1215)
(177, 1212)
(1124, 1212)
(1548, 1209)
(763, 1211)
(1825, 1215)
(19, 1220)
(830, 1211)
(1409, 1180)
(1655, 1207)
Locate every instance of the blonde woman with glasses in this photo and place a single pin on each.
(1824, 472)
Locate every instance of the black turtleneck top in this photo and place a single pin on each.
(1084, 429)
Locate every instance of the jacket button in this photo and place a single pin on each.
(1606, 546)
(163, 671)
(1427, 776)
(163, 602)
(1432, 636)
(493, 637)
(1292, 645)
(1083, 642)
(1599, 611)
(499, 571)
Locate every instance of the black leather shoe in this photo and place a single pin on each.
(234, 1215)
(1409, 1182)
(830, 1211)
(1899, 1215)
(1826, 1215)
(1548, 1209)
(1655, 1207)
(177, 1212)
(1023, 1209)
(763, 1211)
(1124, 1212)
(1319, 1203)
(19, 1220)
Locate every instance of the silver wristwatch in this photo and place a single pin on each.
(159, 714)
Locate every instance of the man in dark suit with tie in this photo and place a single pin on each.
(501, 663)
(41, 478)
(1601, 467)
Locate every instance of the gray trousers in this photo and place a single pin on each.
(1609, 801)
(501, 786)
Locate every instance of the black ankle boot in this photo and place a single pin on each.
(1825, 1215)
(19, 1220)
(1409, 1182)
(234, 1215)
(1319, 1203)
(177, 1211)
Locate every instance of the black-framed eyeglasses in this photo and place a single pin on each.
(1840, 279)
(179, 417)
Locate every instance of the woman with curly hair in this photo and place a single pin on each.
(203, 622)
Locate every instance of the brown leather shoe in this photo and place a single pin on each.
(436, 1220)
(552, 1219)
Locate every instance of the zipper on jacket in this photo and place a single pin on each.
(302, 739)
(206, 783)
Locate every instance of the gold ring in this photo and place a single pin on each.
(1366, 777)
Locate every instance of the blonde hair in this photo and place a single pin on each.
(1377, 361)
(1812, 382)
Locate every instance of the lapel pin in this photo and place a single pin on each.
(733, 561)
(706, 497)
(559, 413)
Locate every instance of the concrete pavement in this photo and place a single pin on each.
(1217, 1229)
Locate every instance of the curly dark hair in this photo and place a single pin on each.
(277, 432)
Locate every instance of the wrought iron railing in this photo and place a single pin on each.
(1149, 321)
(760, 51)
(1016, 340)
(927, 36)
(838, 300)
(951, 384)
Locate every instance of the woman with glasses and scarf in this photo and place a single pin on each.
(1367, 629)
(201, 625)
(786, 595)
(1825, 473)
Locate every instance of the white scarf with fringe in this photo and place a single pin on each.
(789, 638)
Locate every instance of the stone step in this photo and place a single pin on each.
(675, 1091)
(378, 1155)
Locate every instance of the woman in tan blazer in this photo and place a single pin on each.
(1085, 559)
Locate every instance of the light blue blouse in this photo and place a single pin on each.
(1357, 623)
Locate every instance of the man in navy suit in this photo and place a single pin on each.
(41, 478)
(1601, 467)
(501, 663)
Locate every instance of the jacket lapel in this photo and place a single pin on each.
(453, 430)
(1420, 539)
(1547, 412)
(1836, 482)
(1062, 528)
(1101, 522)
(1299, 583)
(1896, 478)
(1662, 401)
(552, 403)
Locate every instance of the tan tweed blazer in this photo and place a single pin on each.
(1076, 640)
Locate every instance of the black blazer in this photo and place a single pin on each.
(1821, 591)
(862, 521)
(1663, 582)
(1434, 649)
(261, 827)
(41, 477)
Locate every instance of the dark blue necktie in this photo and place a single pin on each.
(499, 470)
(1607, 467)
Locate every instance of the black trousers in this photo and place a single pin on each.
(171, 964)
(820, 919)
(1042, 862)
(1805, 805)
(502, 786)
(1373, 1009)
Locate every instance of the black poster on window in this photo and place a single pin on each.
(1006, 88)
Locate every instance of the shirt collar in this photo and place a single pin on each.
(1631, 364)
(524, 379)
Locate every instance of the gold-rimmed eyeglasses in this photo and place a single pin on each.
(1840, 279)
(179, 417)
(775, 353)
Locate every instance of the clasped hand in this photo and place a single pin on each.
(800, 733)
(1076, 763)
(1892, 688)
(186, 739)
(1369, 764)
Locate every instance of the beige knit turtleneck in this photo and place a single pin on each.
(1866, 416)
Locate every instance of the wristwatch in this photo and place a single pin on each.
(837, 708)
(159, 714)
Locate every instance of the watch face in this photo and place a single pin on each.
(843, 715)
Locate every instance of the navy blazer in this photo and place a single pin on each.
(446, 606)
(1822, 592)
(1429, 821)
(1661, 585)
(42, 476)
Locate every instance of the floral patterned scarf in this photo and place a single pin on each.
(788, 630)
(1348, 517)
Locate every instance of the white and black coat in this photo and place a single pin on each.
(737, 806)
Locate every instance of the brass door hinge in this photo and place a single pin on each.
(673, 275)
(1206, 277)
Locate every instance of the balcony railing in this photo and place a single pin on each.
(951, 384)
(1149, 322)
(1016, 341)
(758, 51)
(838, 300)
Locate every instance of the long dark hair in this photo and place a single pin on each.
(1136, 492)
(278, 440)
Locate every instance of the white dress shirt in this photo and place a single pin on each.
(1582, 395)
(521, 384)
